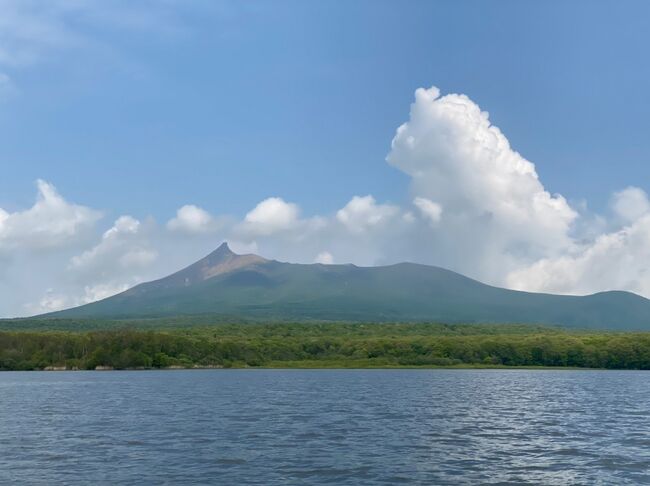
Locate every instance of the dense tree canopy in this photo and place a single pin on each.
(323, 345)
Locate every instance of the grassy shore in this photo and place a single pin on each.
(320, 345)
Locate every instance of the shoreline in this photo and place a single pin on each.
(326, 368)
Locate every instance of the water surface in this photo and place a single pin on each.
(301, 427)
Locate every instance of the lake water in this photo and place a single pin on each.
(301, 427)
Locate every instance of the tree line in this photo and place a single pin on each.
(323, 345)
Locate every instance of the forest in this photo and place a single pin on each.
(321, 345)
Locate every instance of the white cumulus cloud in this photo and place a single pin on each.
(618, 259)
(122, 247)
(363, 213)
(630, 204)
(272, 215)
(192, 219)
(50, 222)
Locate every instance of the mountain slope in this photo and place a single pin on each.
(250, 286)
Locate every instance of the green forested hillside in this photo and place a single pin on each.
(250, 287)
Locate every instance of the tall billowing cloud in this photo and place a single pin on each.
(494, 205)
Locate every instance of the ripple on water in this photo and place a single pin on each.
(326, 427)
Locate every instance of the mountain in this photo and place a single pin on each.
(250, 286)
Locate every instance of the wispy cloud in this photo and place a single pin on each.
(34, 32)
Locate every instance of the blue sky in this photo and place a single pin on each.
(158, 129)
(223, 105)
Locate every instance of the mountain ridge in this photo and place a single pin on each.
(250, 286)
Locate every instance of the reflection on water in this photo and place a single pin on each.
(325, 427)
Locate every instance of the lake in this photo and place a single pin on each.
(325, 427)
